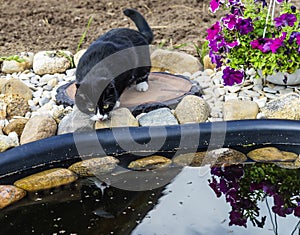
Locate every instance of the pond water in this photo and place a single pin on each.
(197, 201)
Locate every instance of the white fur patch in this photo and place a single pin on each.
(99, 117)
(143, 86)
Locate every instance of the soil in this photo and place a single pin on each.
(55, 25)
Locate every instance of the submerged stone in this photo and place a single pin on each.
(269, 154)
(214, 157)
(289, 165)
(150, 163)
(46, 179)
(189, 159)
(10, 194)
(94, 166)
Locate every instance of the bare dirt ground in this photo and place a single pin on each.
(51, 24)
(35, 25)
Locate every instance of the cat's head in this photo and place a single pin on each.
(98, 108)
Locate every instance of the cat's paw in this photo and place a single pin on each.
(143, 86)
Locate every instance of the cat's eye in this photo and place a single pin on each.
(91, 109)
(105, 106)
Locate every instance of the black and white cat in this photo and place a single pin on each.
(112, 63)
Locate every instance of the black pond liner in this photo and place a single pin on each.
(61, 150)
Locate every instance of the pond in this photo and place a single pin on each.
(198, 200)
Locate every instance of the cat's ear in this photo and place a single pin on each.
(77, 85)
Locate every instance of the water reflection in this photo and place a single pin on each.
(190, 206)
(226, 200)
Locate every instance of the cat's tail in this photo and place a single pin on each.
(140, 23)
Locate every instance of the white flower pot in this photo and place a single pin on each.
(280, 78)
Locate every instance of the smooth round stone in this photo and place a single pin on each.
(270, 154)
(197, 74)
(269, 90)
(289, 165)
(150, 163)
(225, 156)
(10, 194)
(158, 117)
(214, 157)
(47, 87)
(34, 80)
(192, 109)
(271, 96)
(43, 101)
(94, 166)
(16, 125)
(46, 179)
(189, 159)
(38, 93)
(70, 72)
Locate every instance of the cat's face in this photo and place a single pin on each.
(98, 108)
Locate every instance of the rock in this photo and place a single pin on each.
(283, 107)
(189, 159)
(38, 127)
(10, 141)
(150, 163)
(224, 156)
(51, 62)
(3, 107)
(121, 117)
(289, 165)
(192, 109)
(240, 109)
(207, 63)
(46, 179)
(10, 194)
(270, 154)
(15, 86)
(174, 62)
(76, 121)
(214, 157)
(58, 113)
(15, 105)
(16, 125)
(158, 117)
(78, 55)
(12, 66)
(94, 166)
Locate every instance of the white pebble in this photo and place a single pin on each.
(43, 101)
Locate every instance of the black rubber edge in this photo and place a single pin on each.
(61, 150)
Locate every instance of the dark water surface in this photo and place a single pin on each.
(188, 205)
